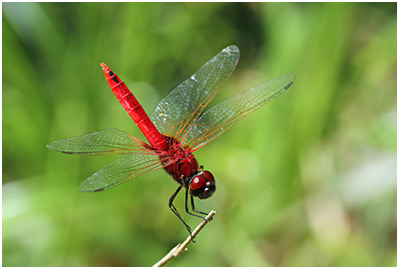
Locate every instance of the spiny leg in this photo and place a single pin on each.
(174, 210)
(193, 207)
(188, 212)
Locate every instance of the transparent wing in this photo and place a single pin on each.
(106, 142)
(178, 111)
(138, 158)
(120, 171)
(224, 115)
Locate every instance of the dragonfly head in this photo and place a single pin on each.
(202, 185)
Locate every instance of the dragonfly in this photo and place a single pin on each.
(179, 126)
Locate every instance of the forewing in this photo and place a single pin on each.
(106, 142)
(224, 115)
(178, 111)
(120, 171)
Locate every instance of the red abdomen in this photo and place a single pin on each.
(135, 110)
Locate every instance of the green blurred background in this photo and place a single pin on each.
(308, 180)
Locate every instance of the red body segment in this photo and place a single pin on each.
(135, 110)
(183, 169)
(168, 148)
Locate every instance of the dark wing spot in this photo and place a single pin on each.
(289, 85)
(99, 190)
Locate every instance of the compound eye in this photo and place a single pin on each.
(208, 175)
(198, 182)
(203, 185)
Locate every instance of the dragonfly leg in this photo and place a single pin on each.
(192, 214)
(193, 207)
(201, 169)
(174, 210)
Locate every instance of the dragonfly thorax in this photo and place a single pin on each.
(185, 170)
(184, 164)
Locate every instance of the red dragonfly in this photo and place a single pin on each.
(178, 127)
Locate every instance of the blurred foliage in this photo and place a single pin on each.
(309, 180)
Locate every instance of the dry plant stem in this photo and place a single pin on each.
(181, 247)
